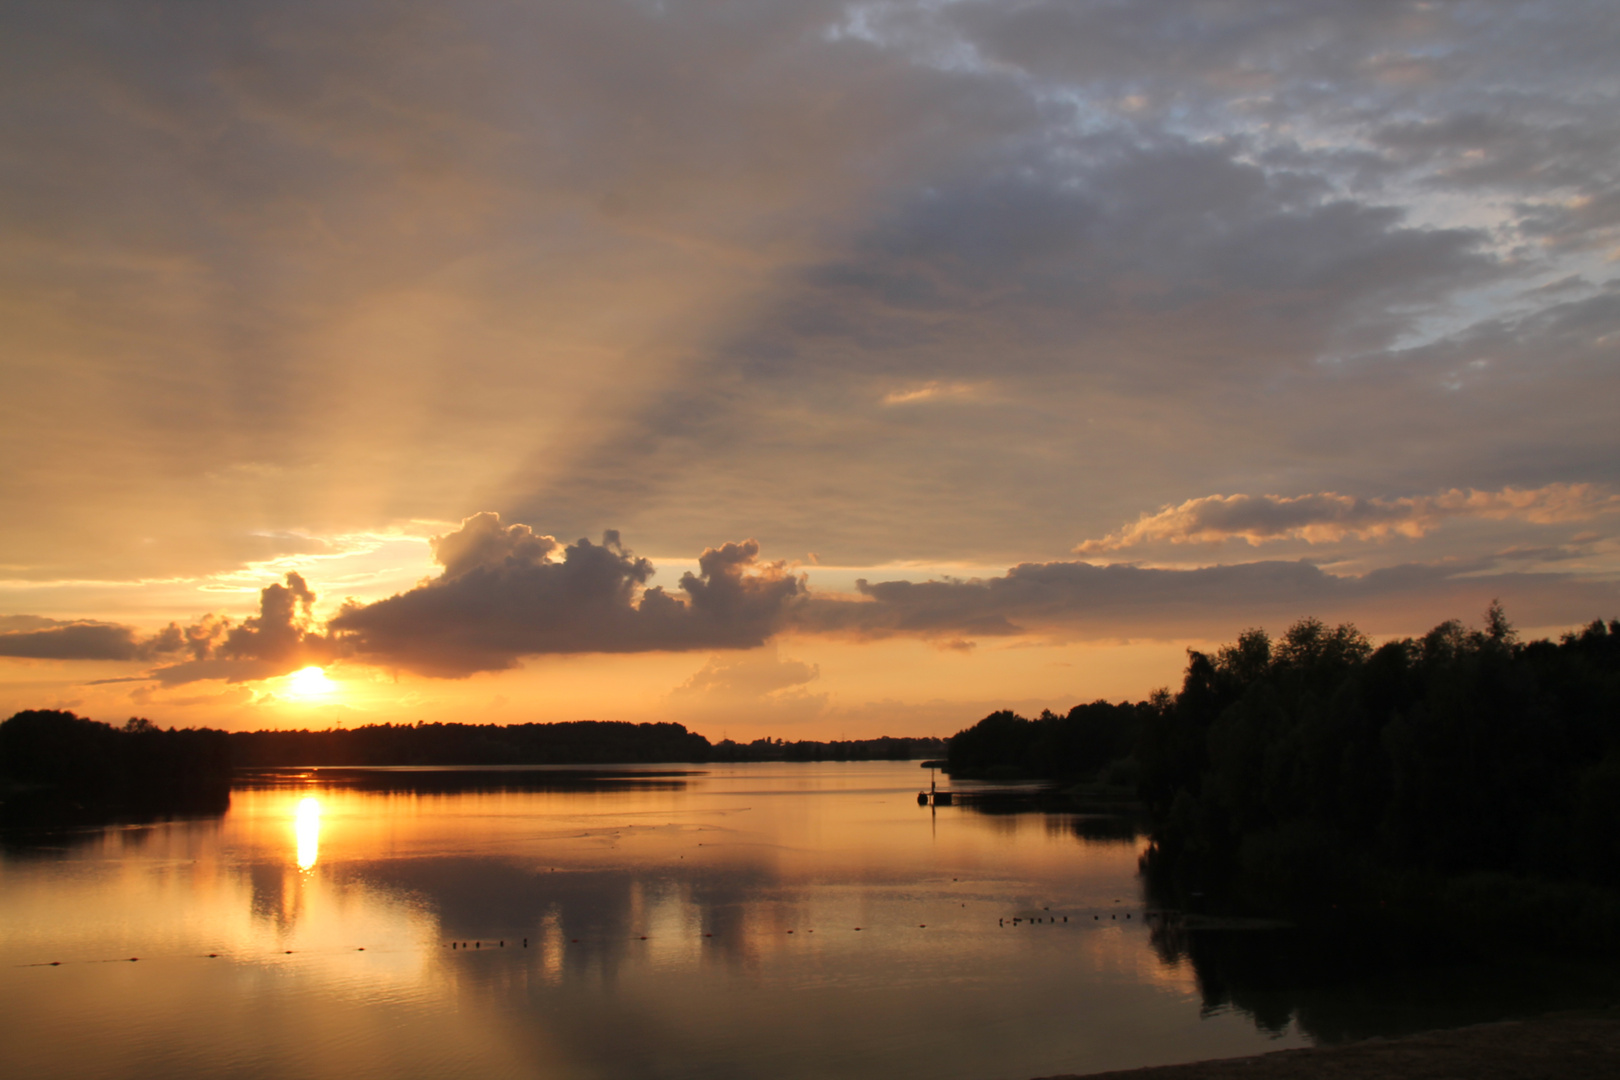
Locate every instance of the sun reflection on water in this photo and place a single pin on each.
(307, 828)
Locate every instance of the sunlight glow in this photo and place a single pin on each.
(307, 828)
(309, 682)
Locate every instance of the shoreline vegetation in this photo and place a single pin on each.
(1430, 794)
(60, 768)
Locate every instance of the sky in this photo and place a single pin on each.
(791, 369)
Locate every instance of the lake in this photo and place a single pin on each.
(761, 920)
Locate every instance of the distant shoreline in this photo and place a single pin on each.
(1583, 1045)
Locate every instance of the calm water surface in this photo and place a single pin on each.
(766, 920)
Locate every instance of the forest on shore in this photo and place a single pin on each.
(55, 763)
(1462, 777)
(56, 766)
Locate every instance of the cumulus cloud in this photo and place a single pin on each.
(506, 592)
(1328, 517)
(281, 638)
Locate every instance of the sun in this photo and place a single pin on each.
(309, 682)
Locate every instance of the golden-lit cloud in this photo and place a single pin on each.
(1328, 517)
(933, 391)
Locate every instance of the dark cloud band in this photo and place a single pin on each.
(1083, 601)
(507, 592)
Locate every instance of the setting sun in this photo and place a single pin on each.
(309, 682)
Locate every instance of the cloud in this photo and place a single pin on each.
(750, 688)
(647, 250)
(932, 390)
(27, 622)
(1207, 245)
(1083, 601)
(280, 633)
(506, 593)
(280, 639)
(35, 637)
(1131, 302)
(748, 677)
(1328, 517)
(481, 541)
(72, 641)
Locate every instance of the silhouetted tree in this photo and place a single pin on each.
(52, 760)
(1319, 772)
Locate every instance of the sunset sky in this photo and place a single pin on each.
(800, 369)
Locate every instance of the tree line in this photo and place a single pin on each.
(583, 742)
(56, 766)
(1462, 772)
(53, 759)
(886, 748)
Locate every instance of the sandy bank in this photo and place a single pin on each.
(1565, 1046)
